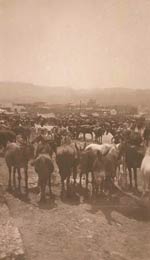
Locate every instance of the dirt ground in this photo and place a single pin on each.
(78, 228)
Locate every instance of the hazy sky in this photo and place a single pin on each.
(78, 43)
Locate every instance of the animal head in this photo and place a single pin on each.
(117, 150)
(80, 148)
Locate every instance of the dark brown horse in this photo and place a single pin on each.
(44, 167)
(67, 158)
(133, 159)
(17, 157)
(99, 132)
(134, 155)
(84, 129)
(51, 143)
(25, 132)
(6, 136)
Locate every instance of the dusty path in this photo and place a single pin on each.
(71, 230)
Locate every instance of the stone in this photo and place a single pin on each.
(11, 245)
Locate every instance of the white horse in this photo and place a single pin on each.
(103, 148)
(145, 171)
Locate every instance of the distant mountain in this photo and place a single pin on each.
(25, 92)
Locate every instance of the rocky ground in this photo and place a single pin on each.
(77, 228)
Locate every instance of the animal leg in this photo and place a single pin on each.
(130, 177)
(9, 181)
(26, 180)
(101, 139)
(95, 138)
(102, 187)
(74, 174)
(92, 178)
(81, 179)
(14, 177)
(19, 179)
(108, 186)
(94, 190)
(144, 184)
(87, 180)
(68, 182)
(135, 177)
(49, 183)
(62, 185)
(43, 186)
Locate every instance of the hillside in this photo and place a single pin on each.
(24, 92)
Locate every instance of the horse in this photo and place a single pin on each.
(17, 157)
(133, 155)
(72, 129)
(99, 147)
(146, 135)
(87, 157)
(99, 132)
(98, 171)
(111, 162)
(145, 172)
(6, 136)
(48, 144)
(85, 129)
(43, 165)
(133, 160)
(67, 159)
(110, 152)
(25, 132)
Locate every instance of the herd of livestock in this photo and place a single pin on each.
(25, 140)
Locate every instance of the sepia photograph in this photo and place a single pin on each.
(74, 129)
